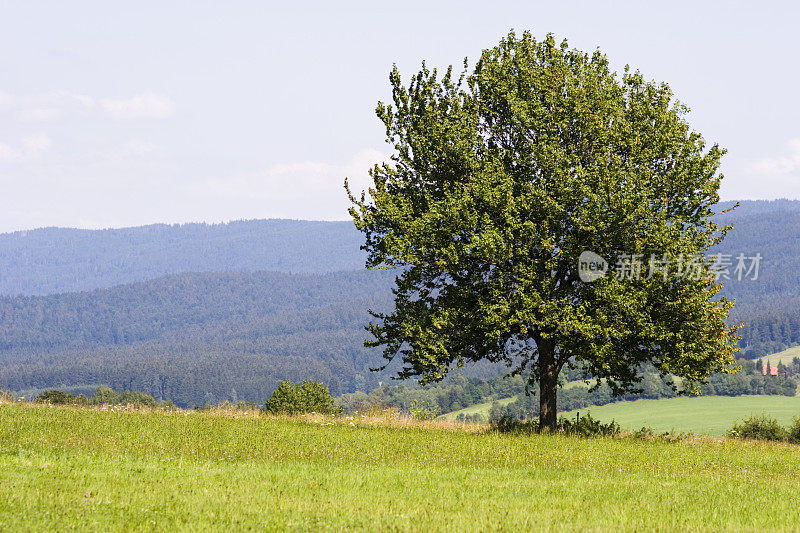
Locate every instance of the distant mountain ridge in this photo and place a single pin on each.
(199, 311)
(57, 260)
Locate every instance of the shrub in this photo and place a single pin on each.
(105, 396)
(55, 397)
(644, 433)
(81, 399)
(793, 434)
(759, 427)
(137, 399)
(285, 399)
(308, 397)
(509, 424)
(586, 426)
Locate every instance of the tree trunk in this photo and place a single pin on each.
(548, 385)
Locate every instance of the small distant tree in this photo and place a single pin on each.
(284, 399)
(501, 178)
(56, 397)
(81, 399)
(105, 396)
(138, 399)
(308, 397)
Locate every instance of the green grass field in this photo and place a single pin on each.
(477, 409)
(703, 415)
(483, 408)
(73, 469)
(784, 357)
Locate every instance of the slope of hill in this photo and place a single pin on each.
(785, 356)
(197, 337)
(53, 260)
(775, 235)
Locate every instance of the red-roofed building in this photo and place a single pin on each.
(769, 369)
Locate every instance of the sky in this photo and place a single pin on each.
(122, 114)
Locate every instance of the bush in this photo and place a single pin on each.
(509, 424)
(105, 396)
(759, 427)
(55, 397)
(793, 434)
(137, 399)
(308, 397)
(81, 399)
(586, 426)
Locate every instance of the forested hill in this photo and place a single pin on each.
(53, 260)
(775, 234)
(189, 337)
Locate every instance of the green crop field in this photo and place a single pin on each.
(703, 415)
(83, 469)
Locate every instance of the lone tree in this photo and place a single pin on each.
(501, 178)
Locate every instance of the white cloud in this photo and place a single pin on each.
(150, 188)
(60, 105)
(45, 107)
(27, 147)
(37, 143)
(137, 147)
(145, 105)
(775, 166)
(308, 190)
(753, 178)
(8, 152)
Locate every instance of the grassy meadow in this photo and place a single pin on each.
(702, 415)
(85, 469)
(784, 357)
(484, 407)
(477, 409)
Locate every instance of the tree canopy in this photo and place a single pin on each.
(501, 177)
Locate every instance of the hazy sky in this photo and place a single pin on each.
(116, 115)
